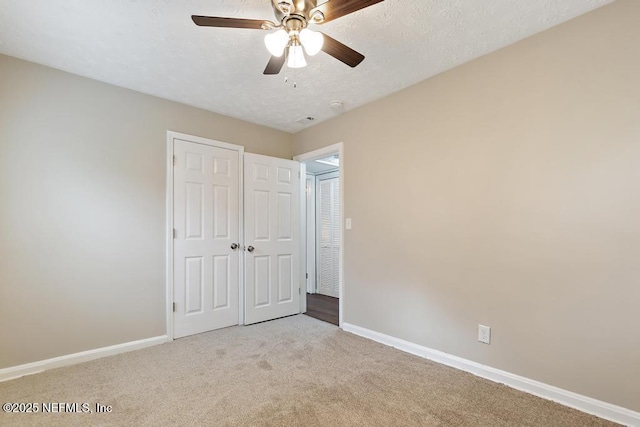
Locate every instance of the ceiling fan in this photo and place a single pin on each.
(292, 35)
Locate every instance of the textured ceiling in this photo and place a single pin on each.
(152, 46)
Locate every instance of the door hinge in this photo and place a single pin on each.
(299, 291)
(175, 233)
(174, 307)
(175, 161)
(306, 275)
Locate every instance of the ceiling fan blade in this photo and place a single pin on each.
(275, 65)
(334, 9)
(215, 21)
(341, 51)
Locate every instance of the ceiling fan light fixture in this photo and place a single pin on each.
(296, 56)
(312, 41)
(292, 19)
(276, 42)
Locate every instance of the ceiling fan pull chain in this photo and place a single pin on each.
(286, 76)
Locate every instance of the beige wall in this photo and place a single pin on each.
(506, 192)
(82, 208)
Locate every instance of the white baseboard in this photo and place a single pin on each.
(71, 359)
(582, 403)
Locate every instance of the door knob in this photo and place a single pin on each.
(234, 246)
(250, 248)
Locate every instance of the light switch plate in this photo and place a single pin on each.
(347, 223)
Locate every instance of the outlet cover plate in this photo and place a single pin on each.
(484, 334)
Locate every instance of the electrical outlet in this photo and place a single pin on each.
(484, 334)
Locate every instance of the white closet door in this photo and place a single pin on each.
(206, 209)
(329, 236)
(272, 230)
(311, 233)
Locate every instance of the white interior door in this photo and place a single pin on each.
(206, 204)
(272, 230)
(329, 235)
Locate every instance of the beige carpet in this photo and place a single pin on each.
(288, 372)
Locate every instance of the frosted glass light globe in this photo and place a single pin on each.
(312, 41)
(276, 42)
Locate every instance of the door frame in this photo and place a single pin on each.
(302, 158)
(171, 136)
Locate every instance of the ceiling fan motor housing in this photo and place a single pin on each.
(294, 24)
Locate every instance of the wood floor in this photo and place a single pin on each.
(323, 307)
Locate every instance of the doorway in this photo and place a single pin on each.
(322, 232)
